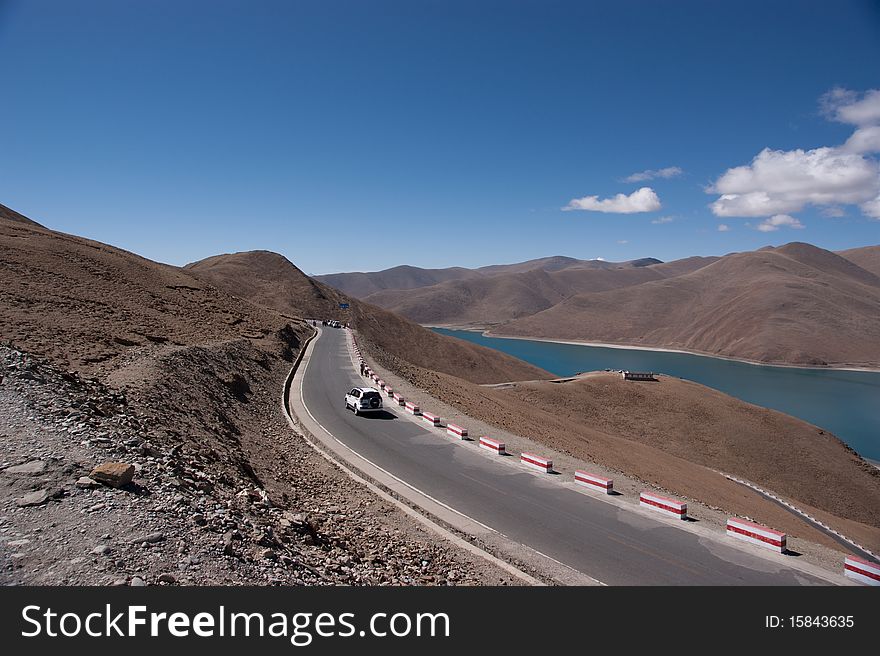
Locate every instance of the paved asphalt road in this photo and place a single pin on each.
(613, 545)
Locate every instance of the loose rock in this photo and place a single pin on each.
(114, 474)
(152, 538)
(37, 498)
(31, 468)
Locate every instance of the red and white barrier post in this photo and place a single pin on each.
(669, 507)
(430, 418)
(412, 408)
(495, 446)
(593, 482)
(861, 570)
(536, 462)
(756, 534)
(400, 400)
(456, 431)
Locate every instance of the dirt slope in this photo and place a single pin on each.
(272, 281)
(91, 305)
(12, 215)
(794, 304)
(867, 257)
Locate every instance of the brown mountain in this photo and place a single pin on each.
(512, 292)
(867, 257)
(794, 304)
(91, 306)
(270, 280)
(361, 285)
(12, 215)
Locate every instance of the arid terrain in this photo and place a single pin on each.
(178, 372)
(796, 304)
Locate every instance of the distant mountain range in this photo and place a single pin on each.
(796, 304)
(361, 285)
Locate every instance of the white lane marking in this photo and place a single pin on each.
(308, 361)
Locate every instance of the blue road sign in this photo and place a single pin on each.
(343, 306)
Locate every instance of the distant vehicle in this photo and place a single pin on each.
(363, 399)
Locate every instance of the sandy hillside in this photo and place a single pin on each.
(794, 304)
(92, 307)
(272, 281)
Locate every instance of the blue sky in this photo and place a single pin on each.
(362, 135)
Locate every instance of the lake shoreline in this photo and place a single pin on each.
(840, 400)
(657, 349)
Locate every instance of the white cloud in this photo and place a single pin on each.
(781, 182)
(779, 221)
(785, 181)
(863, 140)
(623, 241)
(833, 212)
(845, 106)
(663, 219)
(650, 174)
(722, 227)
(872, 208)
(641, 200)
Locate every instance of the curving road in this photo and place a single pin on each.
(614, 545)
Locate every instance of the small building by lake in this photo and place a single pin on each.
(638, 375)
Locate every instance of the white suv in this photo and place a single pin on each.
(363, 399)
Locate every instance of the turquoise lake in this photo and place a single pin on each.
(846, 403)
